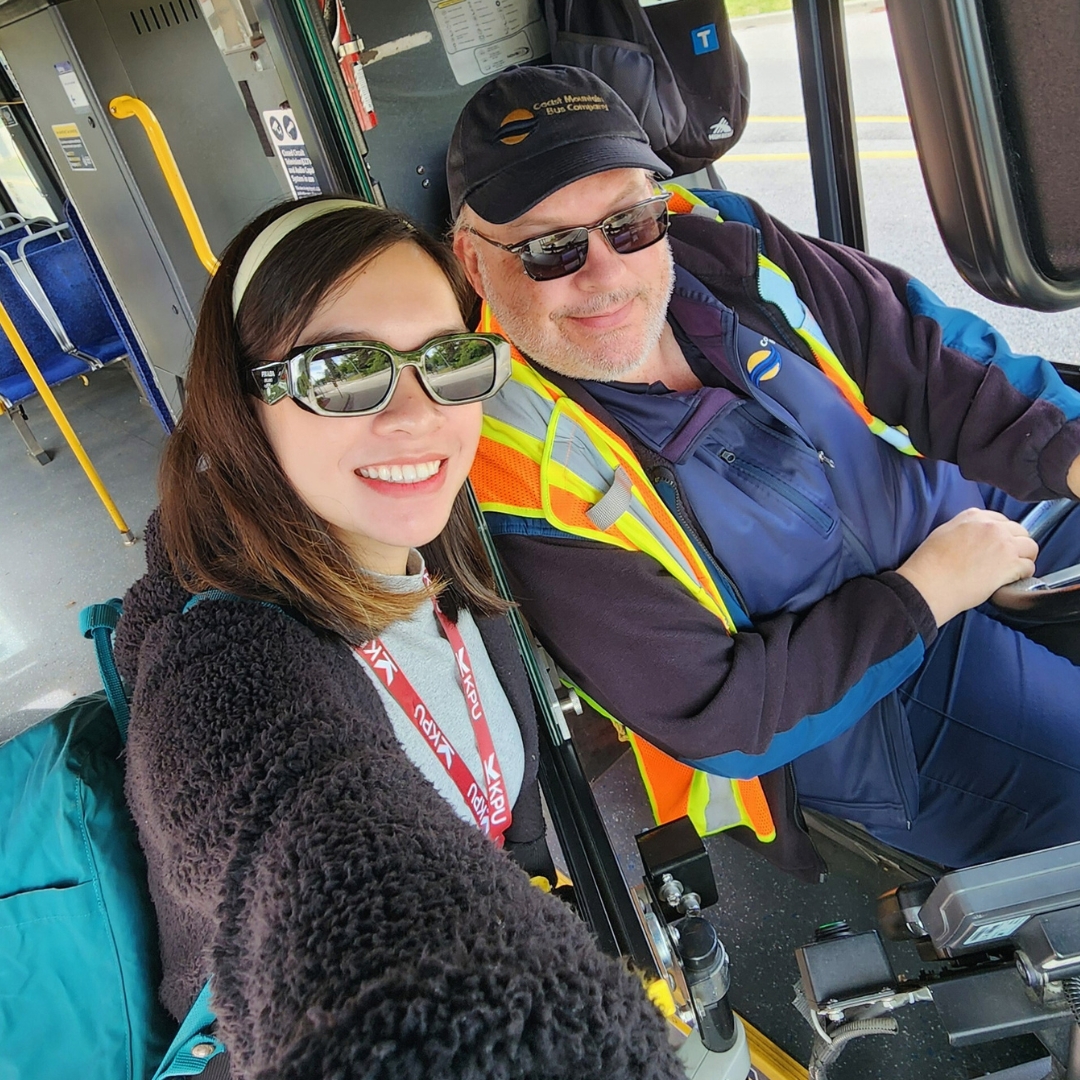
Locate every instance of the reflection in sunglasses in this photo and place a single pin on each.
(558, 254)
(355, 378)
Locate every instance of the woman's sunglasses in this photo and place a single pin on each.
(357, 378)
(557, 254)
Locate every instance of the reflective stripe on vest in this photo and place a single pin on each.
(581, 477)
(775, 287)
(713, 803)
(542, 455)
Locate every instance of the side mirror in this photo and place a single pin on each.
(989, 87)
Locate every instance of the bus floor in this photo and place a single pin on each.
(61, 551)
(763, 915)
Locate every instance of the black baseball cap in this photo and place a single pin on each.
(534, 129)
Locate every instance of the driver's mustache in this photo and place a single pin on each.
(599, 306)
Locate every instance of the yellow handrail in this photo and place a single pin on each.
(53, 406)
(124, 106)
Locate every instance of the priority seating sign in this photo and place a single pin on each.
(289, 146)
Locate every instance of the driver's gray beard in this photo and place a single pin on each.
(551, 350)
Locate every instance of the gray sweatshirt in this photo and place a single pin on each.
(427, 661)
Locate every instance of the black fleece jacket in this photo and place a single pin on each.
(352, 923)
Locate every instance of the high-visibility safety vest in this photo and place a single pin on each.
(775, 287)
(543, 456)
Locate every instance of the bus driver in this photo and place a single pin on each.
(811, 474)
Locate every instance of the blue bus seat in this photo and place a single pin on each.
(9, 243)
(16, 252)
(64, 276)
(56, 364)
(14, 232)
(36, 240)
(137, 362)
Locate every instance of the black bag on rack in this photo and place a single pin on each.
(675, 64)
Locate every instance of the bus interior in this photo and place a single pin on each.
(137, 136)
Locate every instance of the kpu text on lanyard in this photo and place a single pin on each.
(485, 798)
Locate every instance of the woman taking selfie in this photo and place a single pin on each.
(332, 741)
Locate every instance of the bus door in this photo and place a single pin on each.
(121, 93)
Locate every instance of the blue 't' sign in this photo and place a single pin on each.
(705, 39)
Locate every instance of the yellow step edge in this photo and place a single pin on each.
(772, 1062)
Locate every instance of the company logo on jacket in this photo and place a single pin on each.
(763, 363)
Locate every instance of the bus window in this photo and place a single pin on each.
(16, 178)
(900, 225)
(771, 162)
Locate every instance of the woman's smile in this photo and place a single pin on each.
(407, 473)
(406, 480)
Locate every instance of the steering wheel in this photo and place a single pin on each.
(1050, 599)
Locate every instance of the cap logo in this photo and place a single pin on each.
(516, 126)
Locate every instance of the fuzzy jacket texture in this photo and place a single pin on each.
(354, 926)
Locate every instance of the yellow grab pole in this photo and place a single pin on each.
(124, 106)
(53, 406)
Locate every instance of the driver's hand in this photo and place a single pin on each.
(963, 562)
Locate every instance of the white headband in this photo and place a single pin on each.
(275, 232)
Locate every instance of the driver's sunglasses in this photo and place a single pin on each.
(358, 378)
(554, 255)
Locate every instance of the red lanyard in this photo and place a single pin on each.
(487, 801)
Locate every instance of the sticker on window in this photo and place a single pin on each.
(482, 37)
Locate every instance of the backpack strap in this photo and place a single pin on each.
(193, 1046)
(220, 594)
(98, 621)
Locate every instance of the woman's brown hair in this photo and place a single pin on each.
(230, 519)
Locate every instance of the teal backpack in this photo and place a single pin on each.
(79, 965)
